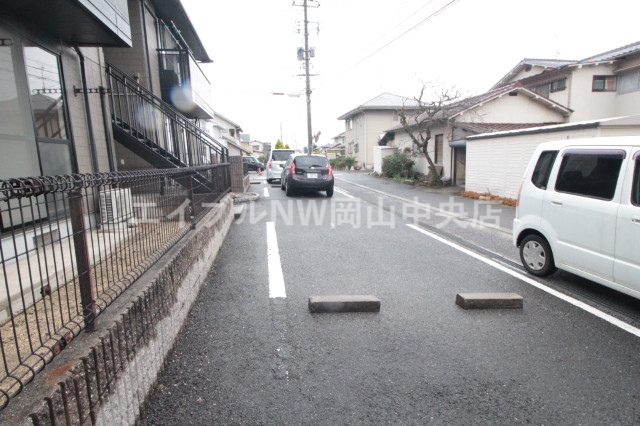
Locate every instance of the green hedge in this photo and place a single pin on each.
(397, 165)
(342, 162)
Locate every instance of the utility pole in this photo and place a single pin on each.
(306, 71)
(307, 55)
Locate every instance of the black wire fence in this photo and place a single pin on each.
(72, 244)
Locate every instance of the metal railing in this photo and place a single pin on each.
(137, 112)
(72, 244)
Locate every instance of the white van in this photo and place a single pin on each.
(275, 163)
(579, 210)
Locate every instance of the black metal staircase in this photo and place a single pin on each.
(157, 132)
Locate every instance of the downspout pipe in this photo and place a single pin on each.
(87, 111)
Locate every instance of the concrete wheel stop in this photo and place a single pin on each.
(489, 300)
(344, 303)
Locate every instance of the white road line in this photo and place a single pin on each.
(590, 309)
(343, 192)
(266, 192)
(437, 211)
(276, 279)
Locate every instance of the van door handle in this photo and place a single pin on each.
(556, 202)
(635, 220)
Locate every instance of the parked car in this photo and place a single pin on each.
(304, 172)
(275, 163)
(253, 163)
(578, 210)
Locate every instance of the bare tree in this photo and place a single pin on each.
(420, 120)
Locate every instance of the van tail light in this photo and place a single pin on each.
(270, 161)
(330, 170)
(519, 192)
(292, 169)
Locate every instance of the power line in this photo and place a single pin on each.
(399, 24)
(434, 14)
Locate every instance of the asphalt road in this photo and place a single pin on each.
(246, 358)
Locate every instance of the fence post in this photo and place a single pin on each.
(83, 262)
(192, 211)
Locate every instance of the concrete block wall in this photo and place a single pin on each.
(239, 182)
(105, 377)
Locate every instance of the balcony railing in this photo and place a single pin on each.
(76, 243)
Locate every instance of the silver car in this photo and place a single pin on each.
(275, 163)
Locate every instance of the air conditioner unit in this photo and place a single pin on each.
(116, 205)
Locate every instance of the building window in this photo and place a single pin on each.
(541, 89)
(558, 85)
(604, 83)
(395, 115)
(349, 124)
(439, 149)
(357, 148)
(629, 82)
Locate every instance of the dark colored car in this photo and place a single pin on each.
(254, 164)
(303, 172)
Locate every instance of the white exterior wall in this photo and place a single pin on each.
(512, 109)
(589, 105)
(367, 127)
(403, 141)
(496, 165)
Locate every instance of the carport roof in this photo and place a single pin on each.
(632, 120)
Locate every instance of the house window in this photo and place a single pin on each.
(357, 148)
(629, 82)
(558, 85)
(439, 149)
(395, 115)
(604, 83)
(541, 89)
(349, 124)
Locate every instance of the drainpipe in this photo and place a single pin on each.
(106, 123)
(146, 43)
(87, 111)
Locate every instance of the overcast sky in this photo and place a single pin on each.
(367, 47)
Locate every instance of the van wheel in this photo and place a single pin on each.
(536, 256)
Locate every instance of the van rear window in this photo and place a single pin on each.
(281, 155)
(590, 173)
(542, 171)
(311, 161)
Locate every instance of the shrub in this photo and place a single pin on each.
(349, 162)
(397, 165)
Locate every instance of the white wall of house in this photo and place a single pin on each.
(403, 141)
(587, 104)
(365, 130)
(512, 109)
(496, 165)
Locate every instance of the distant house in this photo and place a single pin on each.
(601, 86)
(258, 148)
(509, 107)
(365, 123)
(224, 130)
(594, 90)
